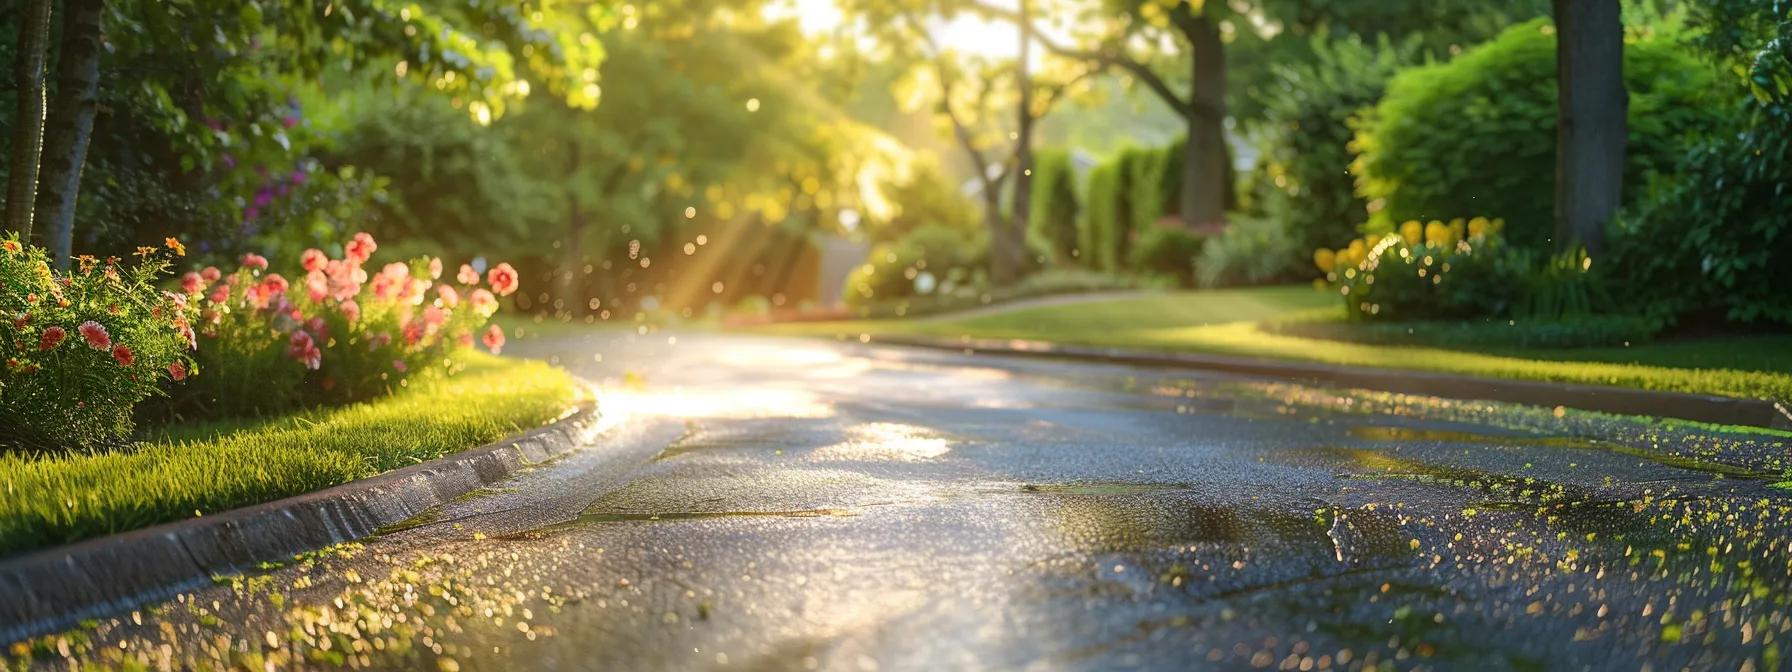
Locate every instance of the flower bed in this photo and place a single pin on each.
(87, 346)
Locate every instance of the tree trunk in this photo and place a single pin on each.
(1020, 212)
(1007, 242)
(28, 130)
(1204, 170)
(1591, 120)
(70, 125)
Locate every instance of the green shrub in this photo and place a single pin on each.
(1715, 238)
(1438, 270)
(1102, 221)
(1250, 251)
(1168, 251)
(1477, 134)
(1144, 198)
(1305, 137)
(929, 259)
(1053, 211)
(81, 348)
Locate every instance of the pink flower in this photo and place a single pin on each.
(467, 275)
(95, 335)
(220, 293)
(449, 297)
(255, 261)
(210, 274)
(274, 284)
(303, 349)
(483, 302)
(313, 259)
(465, 340)
(502, 279)
(398, 365)
(351, 311)
(191, 283)
(435, 268)
(434, 317)
(317, 285)
(123, 354)
(177, 371)
(494, 338)
(52, 337)
(359, 249)
(413, 332)
(379, 340)
(317, 326)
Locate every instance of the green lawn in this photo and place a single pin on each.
(1224, 322)
(201, 469)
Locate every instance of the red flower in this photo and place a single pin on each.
(313, 259)
(494, 338)
(255, 261)
(467, 275)
(502, 279)
(52, 337)
(302, 348)
(22, 321)
(95, 335)
(191, 283)
(274, 284)
(359, 249)
(123, 354)
(413, 332)
(177, 371)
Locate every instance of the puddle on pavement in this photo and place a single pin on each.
(614, 517)
(1102, 488)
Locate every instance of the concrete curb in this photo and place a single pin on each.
(55, 588)
(1619, 400)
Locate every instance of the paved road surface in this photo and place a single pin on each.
(789, 505)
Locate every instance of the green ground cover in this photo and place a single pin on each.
(1227, 322)
(210, 467)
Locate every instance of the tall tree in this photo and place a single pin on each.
(69, 127)
(1592, 106)
(1195, 26)
(28, 123)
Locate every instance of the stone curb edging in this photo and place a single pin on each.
(55, 588)
(1607, 399)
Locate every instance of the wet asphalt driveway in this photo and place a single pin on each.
(788, 504)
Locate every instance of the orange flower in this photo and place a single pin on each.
(11, 246)
(174, 244)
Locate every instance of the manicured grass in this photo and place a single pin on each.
(1224, 322)
(201, 469)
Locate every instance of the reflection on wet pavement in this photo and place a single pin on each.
(769, 504)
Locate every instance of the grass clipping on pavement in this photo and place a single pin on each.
(208, 468)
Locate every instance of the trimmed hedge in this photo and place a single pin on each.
(1477, 134)
(1053, 212)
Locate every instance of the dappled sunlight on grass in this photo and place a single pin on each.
(208, 468)
(1225, 323)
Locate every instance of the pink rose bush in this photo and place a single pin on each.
(79, 349)
(341, 329)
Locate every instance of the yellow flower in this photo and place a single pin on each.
(1412, 231)
(1477, 227)
(1456, 231)
(1436, 232)
(173, 244)
(145, 251)
(1325, 259)
(1359, 251)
